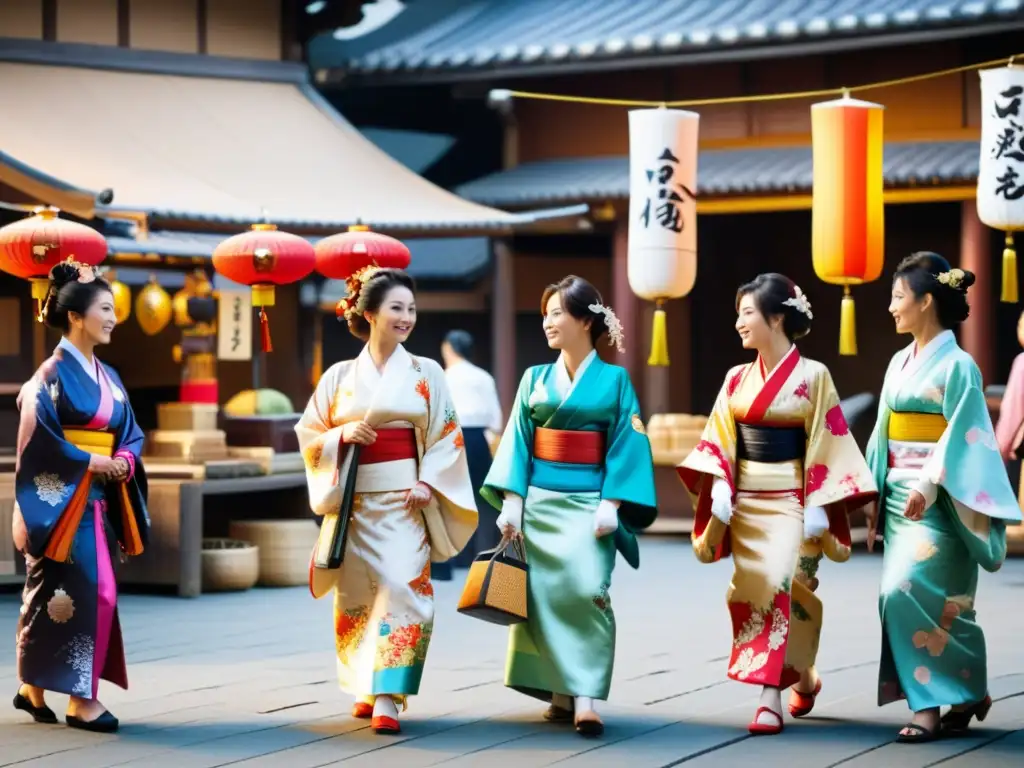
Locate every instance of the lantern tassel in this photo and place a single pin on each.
(265, 343)
(847, 324)
(659, 339)
(1009, 291)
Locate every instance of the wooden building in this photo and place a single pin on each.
(432, 66)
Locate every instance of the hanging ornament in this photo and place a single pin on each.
(848, 208)
(1000, 195)
(263, 258)
(662, 243)
(153, 308)
(122, 296)
(342, 256)
(31, 247)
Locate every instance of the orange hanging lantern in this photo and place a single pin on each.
(342, 256)
(31, 247)
(848, 213)
(263, 258)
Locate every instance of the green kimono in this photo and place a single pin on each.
(934, 435)
(568, 644)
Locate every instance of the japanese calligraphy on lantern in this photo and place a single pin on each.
(234, 326)
(1001, 165)
(662, 245)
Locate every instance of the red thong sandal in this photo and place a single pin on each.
(362, 711)
(765, 729)
(800, 703)
(384, 725)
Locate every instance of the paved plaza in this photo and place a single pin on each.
(248, 679)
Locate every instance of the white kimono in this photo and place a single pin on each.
(384, 605)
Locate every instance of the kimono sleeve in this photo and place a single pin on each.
(510, 469)
(836, 475)
(131, 494)
(629, 465)
(321, 445)
(51, 475)
(966, 465)
(714, 457)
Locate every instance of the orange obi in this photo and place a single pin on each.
(569, 446)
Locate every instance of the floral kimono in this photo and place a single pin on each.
(568, 445)
(69, 634)
(934, 435)
(384, 600)
(781, 443)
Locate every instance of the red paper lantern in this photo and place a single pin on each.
(31, 247)
(342, 256)
(263, 258)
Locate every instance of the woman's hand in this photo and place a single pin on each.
(606, 518)
(358, 432)
(721, 500)
(419, 496)
(916, 505)
(107, 468)
(510, 521)
(871, 517)
(19, 531)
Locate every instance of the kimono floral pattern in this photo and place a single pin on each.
(50, 489)
(348, 631)
(402, 646)
(423, 390)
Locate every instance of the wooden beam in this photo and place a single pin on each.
(977, 333)
(503, 324)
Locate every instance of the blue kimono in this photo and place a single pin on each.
(934, 435)
(69, 635)
(568, 445)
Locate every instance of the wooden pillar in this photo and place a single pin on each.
(626, 306)
(977, 333)
(503, 324)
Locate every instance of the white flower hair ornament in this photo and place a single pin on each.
(800, 303)
(611, 322)
(954, 278)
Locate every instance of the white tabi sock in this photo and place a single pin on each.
(561, 701)
(384, 706)
(585, 704)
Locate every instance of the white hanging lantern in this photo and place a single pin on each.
(1001, 166)
(662, 245)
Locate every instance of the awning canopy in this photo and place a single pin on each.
(214, 149)
(722, 173)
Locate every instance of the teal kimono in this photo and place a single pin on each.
(568, 644)
(934, 435)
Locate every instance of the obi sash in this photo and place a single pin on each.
(568, 460)
(770, 458)
(912, 438)
(390, 464)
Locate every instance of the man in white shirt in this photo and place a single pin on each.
(476, 402)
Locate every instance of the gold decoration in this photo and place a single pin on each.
(153, 308)
(122, 296)
(61, 607)
(638, 424)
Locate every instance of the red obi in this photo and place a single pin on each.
(391, 445)
(569, 446)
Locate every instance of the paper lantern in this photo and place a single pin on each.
(31, 247)
(153, 308)
(848, 208)
(122, 296)
(662, 243)
(342, 256)
(263, 258)
(1001, 167)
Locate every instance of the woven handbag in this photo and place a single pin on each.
(495, 589)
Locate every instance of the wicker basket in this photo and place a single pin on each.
(229, 565)
(284, 547)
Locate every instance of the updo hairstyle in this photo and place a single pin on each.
(770, 292)
(68, 295)
(921, 271)
(576, 295)
(370, 295)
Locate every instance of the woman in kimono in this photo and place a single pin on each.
(772, 480)
(385, 462)
(1011, 409)
(79, 486)
(573, 473)
(946, 499)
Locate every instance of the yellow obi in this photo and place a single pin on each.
(913, 427)
(95, 441)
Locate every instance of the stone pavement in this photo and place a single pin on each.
(248, 679)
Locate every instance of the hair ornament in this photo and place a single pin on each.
(954, 278)
(612, 323)
(346, 308)
(800, 303)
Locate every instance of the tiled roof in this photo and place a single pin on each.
(444, 35)
(720, 173)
